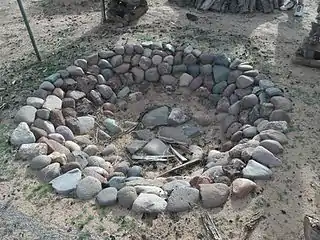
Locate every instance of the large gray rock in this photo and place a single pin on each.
(272, 145)
(107, 197)
(126, 196)
(262, 155)
(29, 151)
(149, 203)
(256, 171)
(88, 188)
(22, 135)
(281, 126)
(40, 162)
(214, 195)
(35, 102)
(220, 73)
(244, 81)
(44, 125)
(50, 172)
(156, 147)
(65, 132)
(156, 117)
(274, 135)
(26, 114)
(280, 102)
(67, 182)
(182, 199)
(217, 158)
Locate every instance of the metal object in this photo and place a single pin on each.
(23, 13)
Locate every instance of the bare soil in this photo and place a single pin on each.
(31, 211)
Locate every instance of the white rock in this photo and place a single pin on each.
(22, 135)
(67, 182)
(149, 203)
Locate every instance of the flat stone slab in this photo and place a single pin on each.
(175, 133)
(67, 182)
(156, 117)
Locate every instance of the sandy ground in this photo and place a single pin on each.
(63, 34)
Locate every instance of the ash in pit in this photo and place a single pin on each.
(126, 11)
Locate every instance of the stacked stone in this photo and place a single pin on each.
(54, 126)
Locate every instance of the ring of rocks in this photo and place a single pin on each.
(67, 129)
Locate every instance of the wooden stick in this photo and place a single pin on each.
(138, 157)
(152, 160)
(210, 227)
(251, 224)
(175, 152)
(184, 165)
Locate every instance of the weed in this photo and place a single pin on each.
(39, 191)
(85, 235)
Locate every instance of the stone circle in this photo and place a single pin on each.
(71, 129)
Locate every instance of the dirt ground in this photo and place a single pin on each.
(30, 211)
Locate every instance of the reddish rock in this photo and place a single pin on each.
(197, 180)
(54, 146)
(56, 118)
(241, 187)
(109, 106)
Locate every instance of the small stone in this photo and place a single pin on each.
(145, 63)
(39, 162)
(152, 75)
(25, 114)
(196, 83)
(86, 124)
(244, 81)
(50, 172)
(117, 182)
(273, 91)
(30, 150)
(249, 101)
(124, 92)
(91, 150)
(170, 186)
(250, 132)
(197, 180)
(123, 68)
(52, 78)
(164, 68)
(241, 187)
(123, 167)
(220, 73)
(52, 102)
(156, 147)
(256, 171)
(43, 114)
(144, 134)
(149, 203)
(88, 187)
(213, 172)
(185, 80)
(274, 135)
(59, 93)
(69, 166)
(251, 73)
(68, 103)
(206, 58)
(214, 195)
(219, 88)
(112, 126)
(177, 117)
(72, 146)
(109, 149)
(135, 146)
(182, 199)
(126, 196)
(134, 171)
(57, 118)
(67, 182)
(151, 190)
(35, 102)
(119, 49)
(279, 115)
(107, 197)
(46, 85)
(65, 132)
(22, 135)
(105, 91)
(57, 137)
(156, 59)
(96, 172)
(81, 158)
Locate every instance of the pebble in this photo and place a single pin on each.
(50, 172)
(112, 126)
(170, 186)
(149, 203)
(214, 195)
(88, 187)
(122, 166)
(250, 132)
(197, 180)
(256, 171)
(67, 182)
(58, 157)
(281, 103)
(109, 149)
(57, 137)
(25, 114)
(126, 196)
(28, 151)
(220, 73)
(72, 146)
(39, 162)
(241, 187)
(43, 114)
(185, 80)
(244, 81)
(65, 132)
(44, 125)
(96, 172)
(279, 115)
(52, 102)
(22, 135)
(213, 172)
(281, 126)
(69, 166)
(81, 158)
(35, 102)
(107, 197)
(182, 199)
